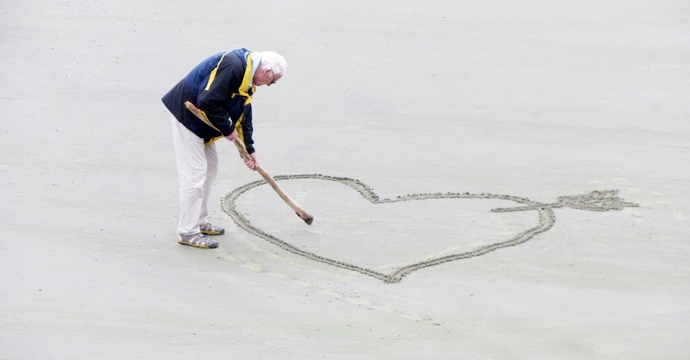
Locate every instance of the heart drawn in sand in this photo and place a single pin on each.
(606, 200)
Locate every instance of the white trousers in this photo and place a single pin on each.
(197, 167)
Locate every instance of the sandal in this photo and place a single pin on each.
(198, 240)
(209, 229)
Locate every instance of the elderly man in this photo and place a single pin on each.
(221, 87)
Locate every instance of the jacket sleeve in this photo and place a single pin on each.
(248, 129)
(215, 92)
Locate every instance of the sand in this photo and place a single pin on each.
(450, 110)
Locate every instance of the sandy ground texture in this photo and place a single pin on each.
(450, 109)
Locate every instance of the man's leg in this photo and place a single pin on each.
(190, 154)
(211, 172)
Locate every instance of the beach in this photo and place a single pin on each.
(487, 180)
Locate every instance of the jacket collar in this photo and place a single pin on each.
(246, 88)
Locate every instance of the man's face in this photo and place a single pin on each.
(265, 77)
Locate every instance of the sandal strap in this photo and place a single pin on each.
(210, 229)
(198, 240)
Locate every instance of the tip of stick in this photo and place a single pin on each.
(307, 218)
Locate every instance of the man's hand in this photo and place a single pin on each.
(232, 136)
(253, 163)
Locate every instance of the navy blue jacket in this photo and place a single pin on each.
(220, 87)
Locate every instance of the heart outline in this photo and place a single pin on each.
(594, 201)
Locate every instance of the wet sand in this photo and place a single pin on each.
(438, 114)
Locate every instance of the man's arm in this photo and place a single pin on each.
(247, 131)
(215, 92)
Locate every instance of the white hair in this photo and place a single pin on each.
(274, 62)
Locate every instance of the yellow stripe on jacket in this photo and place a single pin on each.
(243, 92)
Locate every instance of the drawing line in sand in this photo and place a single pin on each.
(604, 200)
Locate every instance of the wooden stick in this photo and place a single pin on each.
(245, 156)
